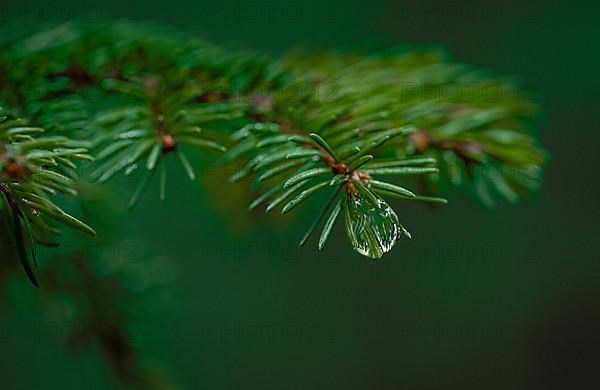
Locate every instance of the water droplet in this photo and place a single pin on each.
(371, 224)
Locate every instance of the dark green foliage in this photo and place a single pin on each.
(479, 128)
(34, 167)
(299, 126)
(371, 225)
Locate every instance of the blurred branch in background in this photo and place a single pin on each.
(103, 295)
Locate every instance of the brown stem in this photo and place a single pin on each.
(167, 141)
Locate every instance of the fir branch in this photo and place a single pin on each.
(33, 168)
(483, 141)
(371, 224)
(164, 88)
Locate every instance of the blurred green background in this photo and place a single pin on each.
(484, 300)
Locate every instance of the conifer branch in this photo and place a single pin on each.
(353, 121)
(32, 169)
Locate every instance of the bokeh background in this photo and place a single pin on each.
(503, 299)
